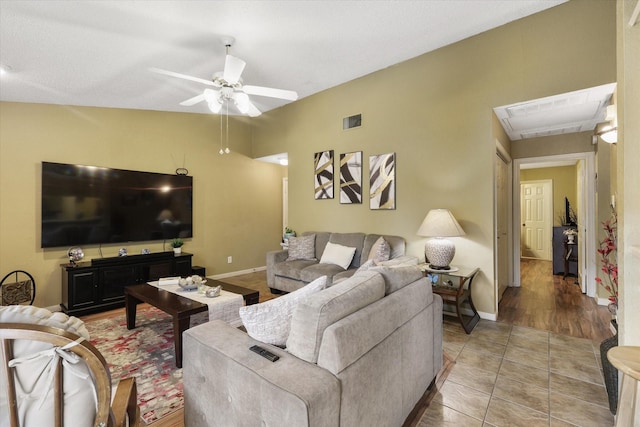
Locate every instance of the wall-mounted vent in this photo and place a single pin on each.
(352, 122)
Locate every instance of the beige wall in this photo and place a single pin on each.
(237, 200)
(552, 145)
(564, 185)
(627, 177)
(435, 113)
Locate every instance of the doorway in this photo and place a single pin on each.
(586, 211)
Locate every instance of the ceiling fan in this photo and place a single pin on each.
(228, 87)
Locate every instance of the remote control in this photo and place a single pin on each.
(264, 353)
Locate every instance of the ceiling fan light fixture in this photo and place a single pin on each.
(241, 100)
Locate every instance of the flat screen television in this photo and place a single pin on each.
(84, 205)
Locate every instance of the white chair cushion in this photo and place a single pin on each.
(34, 385)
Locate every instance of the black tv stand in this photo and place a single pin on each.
(132, 259)
(98, 285)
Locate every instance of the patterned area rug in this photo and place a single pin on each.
(146, 353)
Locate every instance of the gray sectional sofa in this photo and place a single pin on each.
(359, 353)
(289, 275)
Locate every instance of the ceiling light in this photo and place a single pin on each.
(213, 101)
(610, 136)
(242, 102)
(607, 132)
(4, 70)
(284, 162)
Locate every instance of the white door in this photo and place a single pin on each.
(502, 225)
(537, 211)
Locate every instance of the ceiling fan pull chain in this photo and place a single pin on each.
(221, 150)
(227, 149)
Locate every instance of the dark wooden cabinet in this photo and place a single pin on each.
(98, 285)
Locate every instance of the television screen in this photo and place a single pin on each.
(84, 205)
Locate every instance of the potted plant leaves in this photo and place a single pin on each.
(176, 244)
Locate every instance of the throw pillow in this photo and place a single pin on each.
(338, 255)
(303, 247)
(380, 251)
(270, 321)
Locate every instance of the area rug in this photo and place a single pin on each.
(146, 353)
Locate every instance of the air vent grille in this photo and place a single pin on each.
(352, 122)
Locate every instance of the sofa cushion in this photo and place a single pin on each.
(313, 315)
(380, 251)
(337, 254)
(270, 321)
(294, 269)
(302, 247)
(397, 277)
(312, 272)
(352, 240)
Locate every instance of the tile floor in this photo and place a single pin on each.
(507, 375)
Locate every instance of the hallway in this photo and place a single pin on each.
(548, 302)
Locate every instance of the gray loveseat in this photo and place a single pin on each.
(287, 276)
(359, 353)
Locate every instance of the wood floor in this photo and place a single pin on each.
(548, 302)
(543, 301)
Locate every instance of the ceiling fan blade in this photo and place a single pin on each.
(253, 110)
(193, 101)
(233, 68)
(270, 92)
(182, 76)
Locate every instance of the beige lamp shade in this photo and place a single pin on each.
(440, 223)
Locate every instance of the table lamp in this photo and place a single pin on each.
(440, 223)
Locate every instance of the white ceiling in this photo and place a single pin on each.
(571, 112)
(98, 53)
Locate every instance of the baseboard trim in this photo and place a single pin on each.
(54, 308)
(488, 316)
(237, 273)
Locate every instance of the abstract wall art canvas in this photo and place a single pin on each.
(323, 175)
(382, 182)
(351, 177)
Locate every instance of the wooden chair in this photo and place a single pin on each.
(61, 345)
(17, 287)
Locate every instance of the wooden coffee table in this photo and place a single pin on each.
(180, 308)
(251, 296)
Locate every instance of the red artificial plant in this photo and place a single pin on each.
(609, 258)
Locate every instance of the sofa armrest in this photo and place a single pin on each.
(404, 261)
(274, 257)
(227, 384)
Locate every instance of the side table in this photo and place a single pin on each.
(450, 285)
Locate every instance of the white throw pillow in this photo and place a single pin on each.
(338, 255)
(380, 251)
(303, 247)
(270, 321)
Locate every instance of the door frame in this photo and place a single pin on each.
(586, 220)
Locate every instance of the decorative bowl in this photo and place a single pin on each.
(213, 291)
(187, 284)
